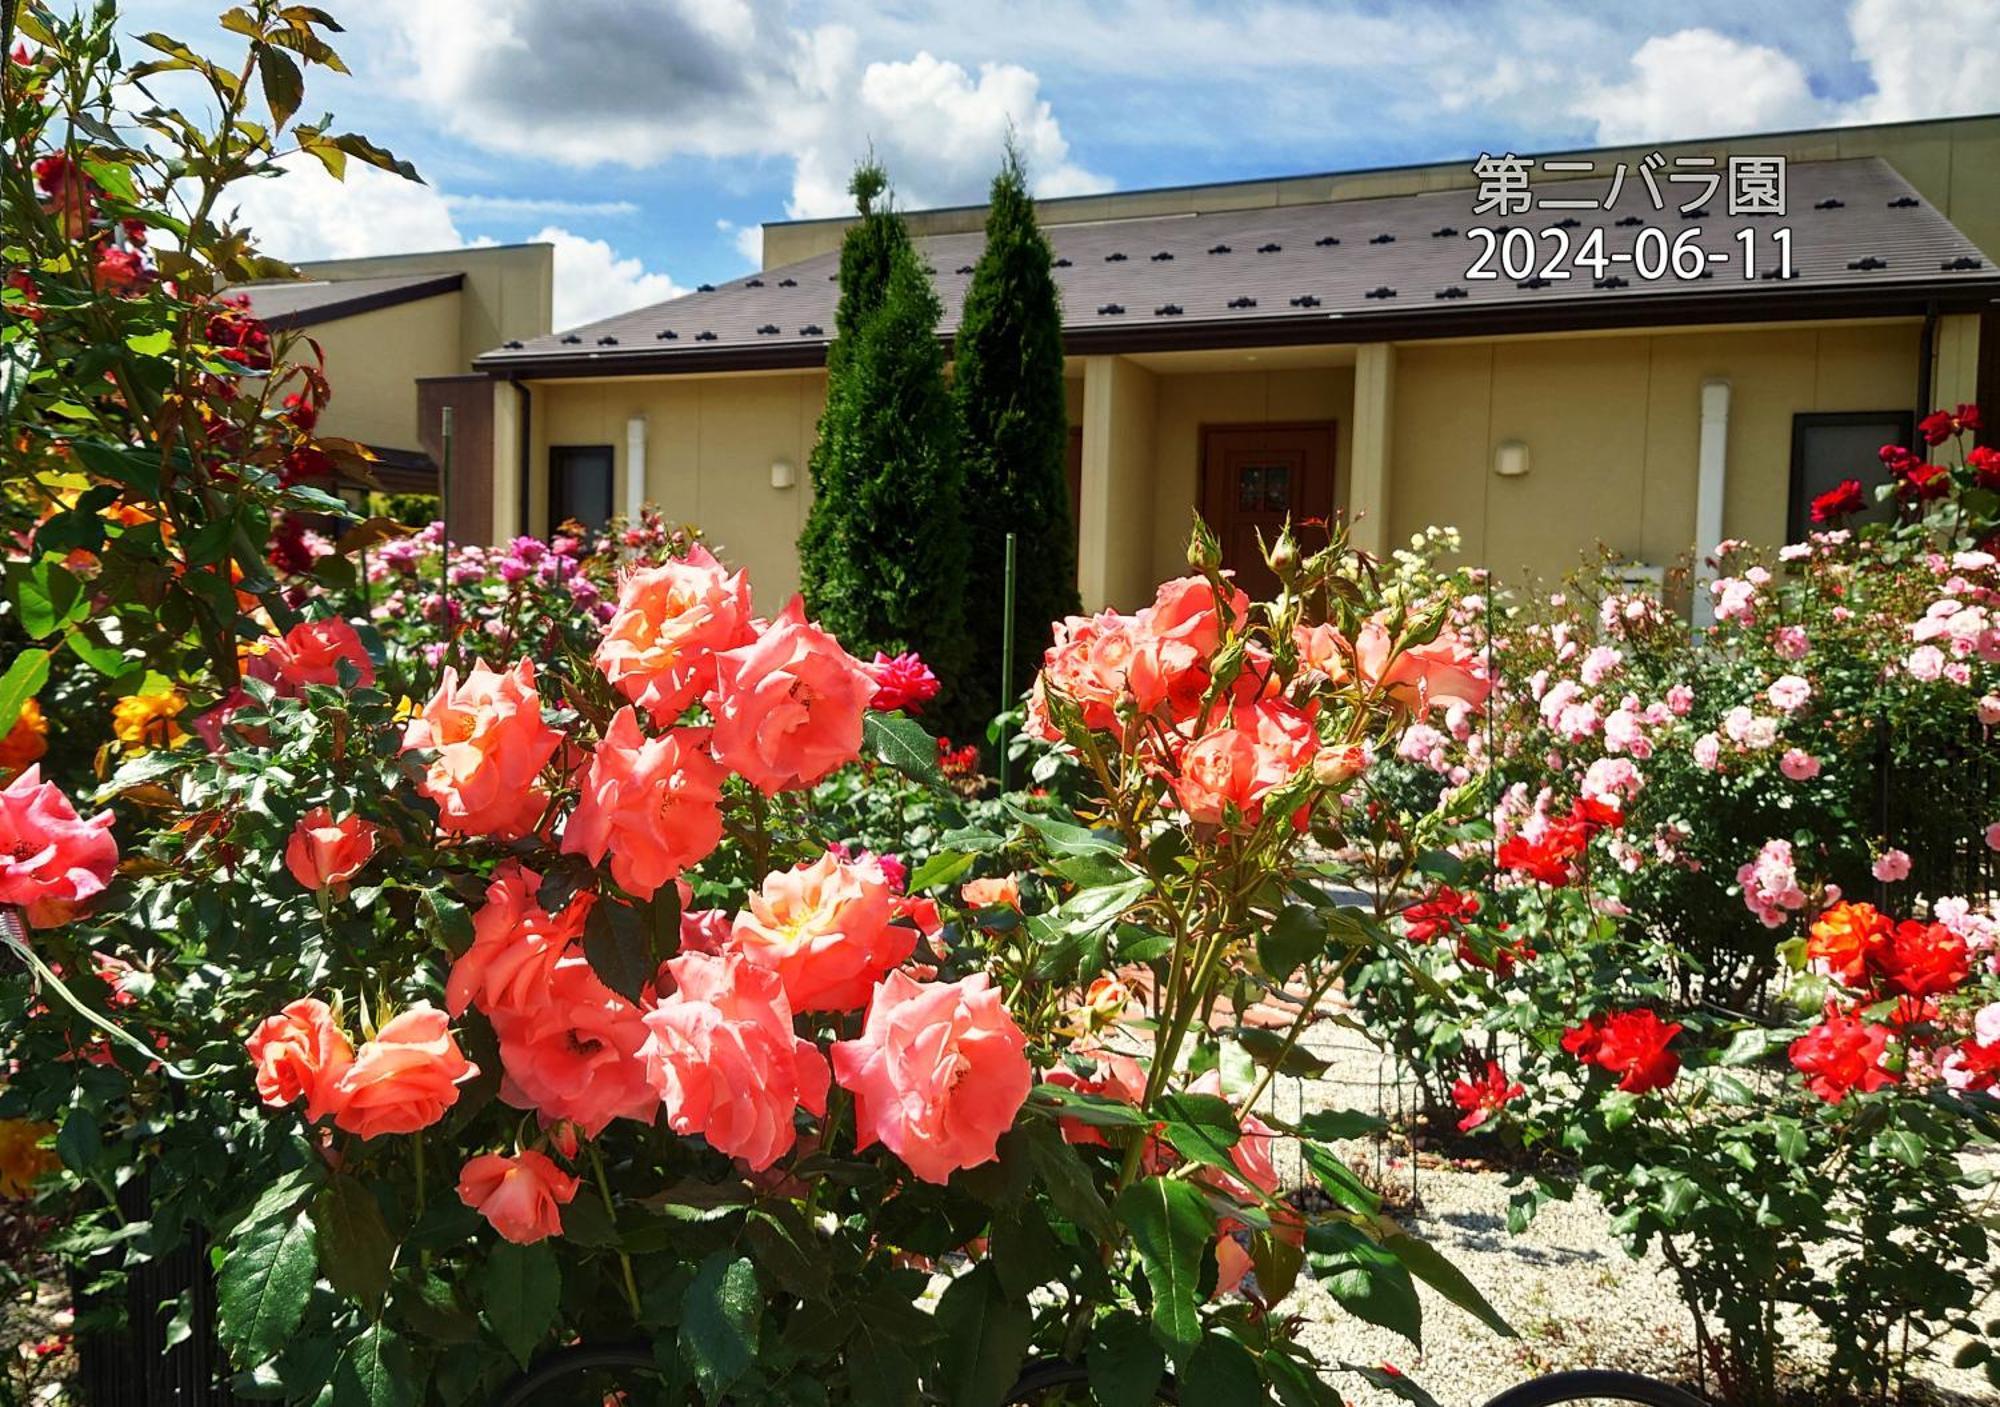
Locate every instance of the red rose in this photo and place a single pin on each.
(1941, 425)
(1985, 466)
(1842, 1054)
(1922, 959)
(1548, 859)
(1838, 503)
(1483, 1098)
(1632, 1045)
(1443, 910)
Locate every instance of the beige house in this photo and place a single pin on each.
(399, 334)
(1370, 344)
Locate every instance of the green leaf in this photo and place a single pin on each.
(1748, 1046)
(355, 1247)
(150, 344)
(22, 681)
(1201, 1127)
(1902, 1145)
(986, 1338)
(523, 1286)
(1389, 1380)
(1267, 1047)
(1094, 1109)
(1295, 938)
(1366, 1278)
(1296, 1384)
(943, 867)
(1124, 1362)
(361, 149)
(284, 85)
(374, 1371)
(48, 598)
(1340, 1181)
(1061, 1174)
(903, 744)
(719, 1323)
(1428, 1264)
(1064, 838)
(1222, 1374)
(267, 1276)
(616, 942)
(1170, 1225)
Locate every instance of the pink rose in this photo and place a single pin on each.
(901, 682)
(571, 1051)
(653, 804)
(1237, 766)
(826, 928)
(323, 851)
(1323, 650)
(1993, 836)
(51, 859)
(1799, 765)
(938, 1074)
(1090, 665)
(1891, 866)
(1423, 676)
(491, 746)
(311, 652)
(660, 645)
(300, 1054)
(1788, 693)
(788, 706)
(516, 943)
(725, 1062)
(1174, 640)
(521, 1196)
(405, 1078)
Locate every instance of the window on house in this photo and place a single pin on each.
(580, 485)
(1830, 447)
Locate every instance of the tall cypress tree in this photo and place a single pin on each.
(883, 553)
(1008, 382)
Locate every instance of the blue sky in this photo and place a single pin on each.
(647, 138)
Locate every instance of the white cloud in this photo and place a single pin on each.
(306, 214)
(507, 205)
(748, 239)
(1697, 82)
(608, 81)
(1933, 59)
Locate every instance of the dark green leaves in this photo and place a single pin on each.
(1201, 1127)
(1124, 1362)
(1428, 1264)
(902, 744)
(355, 1248)
(985, 1339)
(719, 1319)
(523, 1288)
(1368, 1281)
(1294, 938)
(374, 1371)
(1170, 1225)
(47, 598)
(266, 1278)
(617, 942)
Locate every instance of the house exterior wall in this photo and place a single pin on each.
(710, 445)
(1612, 426)
(509, 289)
(373, 361)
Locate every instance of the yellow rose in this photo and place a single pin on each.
(146, 721)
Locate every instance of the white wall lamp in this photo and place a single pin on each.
(1510, 458)
(783, 475)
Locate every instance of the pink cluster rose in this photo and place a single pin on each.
(826, 928)
(522, 1196)
(1770, 884)
(312, 652)
(788, 706)
(1235, 767)
(653, 804)
(52, 860)
(516, 943)
(491, 744)
(938, 1074)
(725, 1062)
(660, 644)
(404, 1079)
(323, 851)
(901, 682)
(571, 1051)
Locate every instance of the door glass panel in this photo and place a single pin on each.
(1250, 488)
(1277, 488)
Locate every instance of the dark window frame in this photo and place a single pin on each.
(558, 455)
(1798, 508)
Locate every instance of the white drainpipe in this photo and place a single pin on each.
(635, 467)
(1711, 489)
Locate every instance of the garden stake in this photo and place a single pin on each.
(1006, 655)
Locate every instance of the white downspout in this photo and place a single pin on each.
(635, 468)
(1710, 491)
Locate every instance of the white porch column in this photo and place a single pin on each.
(634, 496)
(1115, 509)
(507, 468)
(1711, 490)
(1372, 438)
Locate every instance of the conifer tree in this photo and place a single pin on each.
(883, 554)
(1014, 423)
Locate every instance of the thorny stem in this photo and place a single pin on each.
(610, 1210)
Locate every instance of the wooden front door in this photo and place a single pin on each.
(1254, 477)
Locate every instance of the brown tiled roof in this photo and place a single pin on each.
(290, 303)
(1863, 243)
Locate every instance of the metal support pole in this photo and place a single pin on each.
(444, 536)
(1006, 656)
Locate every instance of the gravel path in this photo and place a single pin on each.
(1572, 1294)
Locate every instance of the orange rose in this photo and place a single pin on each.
(26, 742)
(521, 1196)
(1232, 769)
(312, 652)
(301, 1054)
(659, 647)
(1001, 892)
(324, 851)
(1444, 670)
(788, 706)
(652, 804)
(405, 1078)
(516, 943)
(1849, 938)
(491, 746)
(827, 929)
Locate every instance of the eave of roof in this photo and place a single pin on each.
(346, 298)
(1337, 272)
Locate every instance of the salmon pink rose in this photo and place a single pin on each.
(1422, 677)
(938, 1074)
(1323, 650)
(491, 746)
(571, 1051)
(788, 706)
(660, 644)
(997, 892)
(827, 929)
(1175, 638)
(1230, 770)
(516, 943)
(311, 653)
(301, 1053)
(51, 859)
(324, 851)
(653, 804)
(1089, 665)
(522, 1196)
(725, 1062)
(1108, 1075)
(405, 1078)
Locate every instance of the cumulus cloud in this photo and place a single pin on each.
(306, 214)
(1697, 82)
(595, 82)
